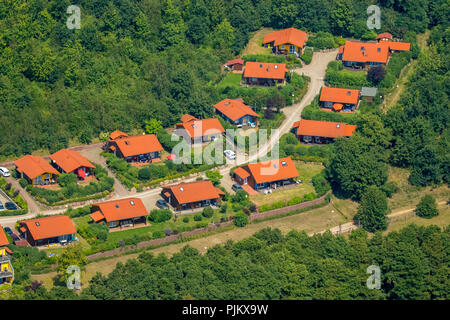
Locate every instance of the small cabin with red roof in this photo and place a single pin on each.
(195, 130)
(235, 64)
(120, 213)
(48, 230)
(267, 174)
(264, 73)
(236, 112)
(286, 41)
(192, 195)
(36, 170)
(69, 161)
(136, 149)
(339, 99)
(313, 131)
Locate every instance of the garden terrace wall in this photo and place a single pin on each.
(261, 215)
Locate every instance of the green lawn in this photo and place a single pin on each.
(230, 80)
(306, 172)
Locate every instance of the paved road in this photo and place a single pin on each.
(315, 70)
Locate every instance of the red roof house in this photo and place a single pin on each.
(339, 99)
(385, 36)
(116, 134)
(69, 161)
(235, 64)
(192, 195)
(46, 230)
(286, 41)
(369, 54)
(118, 213)
(137, 149)
(197, 131)
(236, 112)
(36, 170)
(322, 131)
(272, 173)
(264, 73)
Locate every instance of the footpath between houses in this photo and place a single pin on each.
(209, 228)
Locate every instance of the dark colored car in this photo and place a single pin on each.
(10, 206)
(1, 206)
(236, 187)
(8, 230)
(162, 204)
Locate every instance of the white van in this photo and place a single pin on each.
(4, 172)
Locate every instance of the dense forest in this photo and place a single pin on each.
(136, 60)
(414, 264)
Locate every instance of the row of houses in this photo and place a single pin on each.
(39, 172)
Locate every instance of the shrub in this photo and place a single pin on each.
(241, 220)
(427, 207)
(160, 215)
(186, 219)
(158, 234)
(223, 208)
(198, 217)
(23, 182)
(376, 74)
(144, 174)
(321, 184)
(208, 212)
(389, 189)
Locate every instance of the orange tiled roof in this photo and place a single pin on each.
(117, 134)
(385, 35)
(365, 52)
(327, 129)
(234, 61)
(287, 36)
(49, 227)
(34, 166)
(120, 209)
(187, 117)
(194, 191)
(339, 95)
(265, 70)
(273, 170)
(242, 173)
(70, 160)
(132, 146)
(398, 46)
(200, 128)
(3, 239)
(234, 109)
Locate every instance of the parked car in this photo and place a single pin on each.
(1, 206)
(162, 204)
(236, 187)
(4, 172)
(10, 206)
(230, 154)
(8, 230)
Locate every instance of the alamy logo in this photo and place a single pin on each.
(374, 281)
(74, 20)
(74, 280)
(374, 19)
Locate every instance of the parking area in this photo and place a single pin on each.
(4, 199)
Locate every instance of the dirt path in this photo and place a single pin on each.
(393, 97)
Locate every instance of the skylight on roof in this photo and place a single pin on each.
(132, 202)
(283, 163)
(37, 224)
(181, 189)
(117, 206)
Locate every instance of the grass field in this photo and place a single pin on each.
(230, 80)
(254, 45)
(306, 172)
(409, 195)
